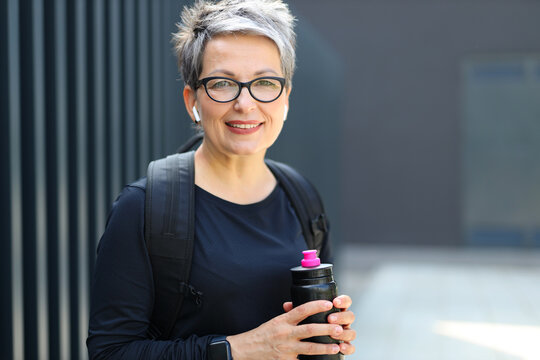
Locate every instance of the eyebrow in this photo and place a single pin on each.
(231, 74)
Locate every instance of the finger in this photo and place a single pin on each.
(310, 330)
(342, 302)
(310, 348)
(341, 318)
(303, 311)
(287, 306)
(347, 335)
(346, 348)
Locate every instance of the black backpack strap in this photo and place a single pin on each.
(306, 202)
(190, 143)
(169, 235)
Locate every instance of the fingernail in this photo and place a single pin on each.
(335, 348)
(328, 305)
(338, 330)
(332, 318)
(338, 301)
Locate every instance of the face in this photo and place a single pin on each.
(243, 126)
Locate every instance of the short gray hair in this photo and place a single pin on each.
(206, 19)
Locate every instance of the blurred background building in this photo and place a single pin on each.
(419, 122)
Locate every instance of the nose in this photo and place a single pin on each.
(244, 102)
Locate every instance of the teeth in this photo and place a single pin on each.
(243, 126)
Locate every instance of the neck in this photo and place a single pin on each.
(237, 178)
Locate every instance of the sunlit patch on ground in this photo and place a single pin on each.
(517, 340)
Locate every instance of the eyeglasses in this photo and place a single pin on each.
(222, 89)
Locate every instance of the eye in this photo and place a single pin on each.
(267, 83)
(218, 84)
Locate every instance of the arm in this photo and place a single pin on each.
(122, 292)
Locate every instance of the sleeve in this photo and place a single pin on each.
(122, 293)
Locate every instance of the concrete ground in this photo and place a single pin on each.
(417, 303)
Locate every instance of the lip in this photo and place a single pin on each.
(240, 131)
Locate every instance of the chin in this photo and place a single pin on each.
(247, 149)
(243, 151)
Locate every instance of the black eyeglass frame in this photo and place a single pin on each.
(241, 85)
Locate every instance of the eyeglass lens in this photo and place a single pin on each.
(264, 89)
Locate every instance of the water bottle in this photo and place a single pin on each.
(314, 281)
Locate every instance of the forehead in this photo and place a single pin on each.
(241, 55)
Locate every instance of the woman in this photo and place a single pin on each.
(237, 60)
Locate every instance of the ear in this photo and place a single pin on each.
(189, 100)
(286, 109)
(287, 94)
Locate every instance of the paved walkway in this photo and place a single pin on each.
(438, 304)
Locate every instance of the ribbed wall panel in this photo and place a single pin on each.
(62, 171)
(15, 210)
(82, 104)
(98, 172)
(40, 200)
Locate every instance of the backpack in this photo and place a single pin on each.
(170, 222)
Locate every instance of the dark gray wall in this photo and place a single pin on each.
(401, 136)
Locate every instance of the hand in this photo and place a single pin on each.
(344, 318)
(280, 337)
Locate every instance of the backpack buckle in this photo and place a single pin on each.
(189, 291)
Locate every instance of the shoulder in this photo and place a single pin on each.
(131, 198)
(139, 184)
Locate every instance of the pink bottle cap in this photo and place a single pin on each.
(310, 259)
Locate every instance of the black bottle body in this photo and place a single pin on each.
(310, 284)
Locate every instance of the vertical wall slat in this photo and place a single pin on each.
(157, 76)
(51, 180)
(63, 178)
(115, 95)
(6, 342)
(82, 175)
(27, 141)
(17, 290)
(164, 73)
(100, 116)
(40, 182)
(129, 91)
(143, 73)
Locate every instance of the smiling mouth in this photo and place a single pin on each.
(244, 126)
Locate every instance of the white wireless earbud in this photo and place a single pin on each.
(285, 112)
(196, 114)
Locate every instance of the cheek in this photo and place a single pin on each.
(277, 124)
(211, 114)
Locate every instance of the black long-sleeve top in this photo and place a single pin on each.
(241, 260)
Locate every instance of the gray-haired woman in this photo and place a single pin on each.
(237, 59)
